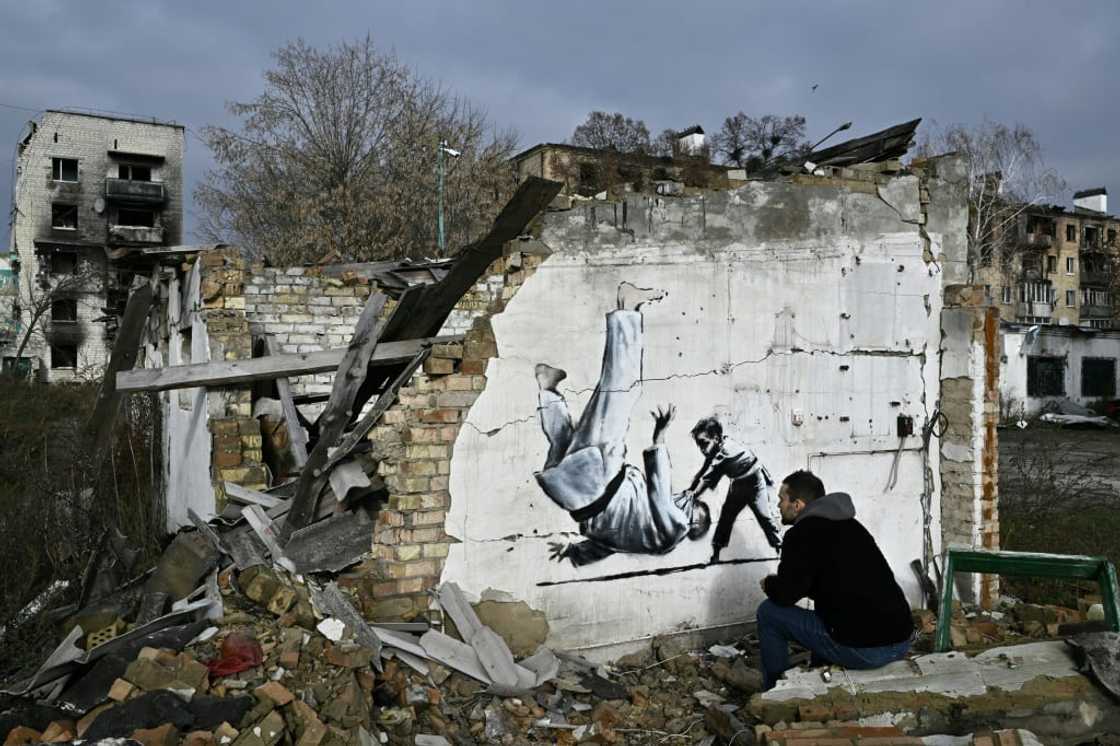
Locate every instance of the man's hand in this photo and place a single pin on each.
(661, 420)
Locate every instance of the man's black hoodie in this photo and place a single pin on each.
(830, 557)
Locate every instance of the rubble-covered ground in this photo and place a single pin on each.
(269, 672)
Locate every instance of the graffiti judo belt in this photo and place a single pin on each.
(589, 511)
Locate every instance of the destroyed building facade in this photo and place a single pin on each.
(92, 194)
(1061, 265)
(822, 319)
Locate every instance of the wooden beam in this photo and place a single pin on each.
(125, 349)
(347, 380)
(531, 197)
(228, 372)
(297, 438)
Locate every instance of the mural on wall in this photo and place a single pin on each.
(621, 508)
(749, 484)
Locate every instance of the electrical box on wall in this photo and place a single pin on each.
(905, 425)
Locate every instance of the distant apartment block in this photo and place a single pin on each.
(94, 197)
(1063, 270)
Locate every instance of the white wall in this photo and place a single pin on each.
(1050, 342)
(186, 432)
(772, 290)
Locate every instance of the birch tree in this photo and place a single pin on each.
(1006, 175)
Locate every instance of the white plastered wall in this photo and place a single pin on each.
(837, 327)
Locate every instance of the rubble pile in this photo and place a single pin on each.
(974, 628)
(277, 667)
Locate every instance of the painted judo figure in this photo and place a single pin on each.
(617, 506)
(750, 484)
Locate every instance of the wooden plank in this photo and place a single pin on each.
(228, 372)
(263, 528)
(385, 399)
(125, 349)
(339, 410)
(407, 306)
(297, 437)
(246, 496)
(532, 196)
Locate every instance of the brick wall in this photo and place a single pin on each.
(969, 445)
(236, 449)
(414, 442)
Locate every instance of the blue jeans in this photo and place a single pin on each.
(778, 625)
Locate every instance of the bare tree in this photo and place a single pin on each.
(667, 144)
(44, 298)
(604, 131)
(1006, 175)
(339, 154)
(755, 143)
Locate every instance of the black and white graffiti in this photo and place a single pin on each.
(621, 508)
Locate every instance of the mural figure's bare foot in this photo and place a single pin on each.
(632, 298)
(548, 378)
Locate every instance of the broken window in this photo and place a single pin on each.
(1046, 376)
(133, 172)
(1092, 236)
(64, 216)
(64, 169)
(1071, 232)
(1051, 264)
(64, 356)
(136, 218)
(64, 310)
(64, 262)
(19, 367)
(1098, 376)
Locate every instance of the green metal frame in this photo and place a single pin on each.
(1073, 567)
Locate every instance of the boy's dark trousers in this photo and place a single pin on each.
(750, 490)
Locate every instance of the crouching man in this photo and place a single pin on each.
(861, 618)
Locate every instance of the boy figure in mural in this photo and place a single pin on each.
(750, 484)
(618, 507)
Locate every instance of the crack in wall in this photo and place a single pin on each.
(723, 370)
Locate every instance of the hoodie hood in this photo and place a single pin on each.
(835, 506)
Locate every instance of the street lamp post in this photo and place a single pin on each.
(443, 148)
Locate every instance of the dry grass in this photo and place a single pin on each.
(56, 504)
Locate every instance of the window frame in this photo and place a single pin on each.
(1109, 390)
(58, 172)
(58, 347)
(56, 254)
(1071, 233)
(123, 168)
(58, 304)
(1071, 298)
(135, 211)
(1070, 266)
(71, 208)
(1036, 378)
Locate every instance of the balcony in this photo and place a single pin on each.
(1096, 312)
(135, 192)
(1093, 276)
(1040, 241)
(131, 234)
(1035, 309)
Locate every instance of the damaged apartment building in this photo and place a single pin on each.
(95, 196)
(1055, 293)
(821, 317)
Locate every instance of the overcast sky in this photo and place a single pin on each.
(540, 67)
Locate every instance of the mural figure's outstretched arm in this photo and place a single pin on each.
(578, 553)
